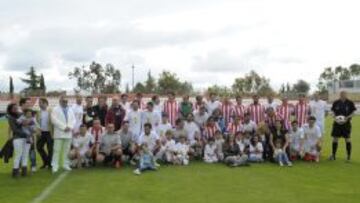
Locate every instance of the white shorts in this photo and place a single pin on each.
(295, 147)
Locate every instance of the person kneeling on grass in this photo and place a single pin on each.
(147, 160)
(312, 140)
(151, 139)
(280, 155)
(110, 148)
(219, 142)
(210, 153)
(256, 150)
(296, 137)
(128, 143)
(181, 152)
(196, 149)
(82, 145)
(233, 156)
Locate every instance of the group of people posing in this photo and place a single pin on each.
(144, 135)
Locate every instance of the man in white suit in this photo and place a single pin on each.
(64, 121)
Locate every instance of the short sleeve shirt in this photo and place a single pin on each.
(343, 108)
(108, 141)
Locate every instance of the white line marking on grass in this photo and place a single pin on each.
(49, 189)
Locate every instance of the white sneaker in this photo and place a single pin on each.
(33, 169)
(157, 165)
(133, 163)
(281, 163)
(186, 162)
(67, 168)
(289, 164)
(53, 170)
(137, 172)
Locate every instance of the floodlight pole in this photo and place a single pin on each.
(133, 75)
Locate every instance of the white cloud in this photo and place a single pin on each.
(202, 39)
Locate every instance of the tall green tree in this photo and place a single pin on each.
(220, 90)
(42, 84)
(282, 89)
(150, 83)
(112, 80)
(301, 86)
(355, 71)
(288, 87)
(186, 88)
(252, 82)
(265, 89)
(97, 79)
(139, 88)
(32, 80)
(342, 73)
(169, 81)
(330, 75)
(11, 87)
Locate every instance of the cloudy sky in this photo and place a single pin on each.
(203, 41)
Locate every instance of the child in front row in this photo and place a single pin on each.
(196, 149)
(147, 160)
(210, 152)
(256, 150)
(167, 149)
(182, 152)
(280, 155)
(219, 142)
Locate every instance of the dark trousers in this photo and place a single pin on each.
(32, 155)
(45, 139)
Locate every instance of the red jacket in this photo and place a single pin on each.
(115, 115)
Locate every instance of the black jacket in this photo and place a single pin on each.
(15, 128)
(7, 151)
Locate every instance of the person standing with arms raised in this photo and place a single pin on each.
(64, 121)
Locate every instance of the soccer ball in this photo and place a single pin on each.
(340, 120)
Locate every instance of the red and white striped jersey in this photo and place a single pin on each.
(302, 111)
(171, 108)
(239, 110)
(97, 133)
(285, 111)
(257, 112)
(233, 128)
(209, 131)
(227, 110)
(270, 120)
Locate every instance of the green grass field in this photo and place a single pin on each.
(305, 182)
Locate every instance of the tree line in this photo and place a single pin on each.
(104, 79)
